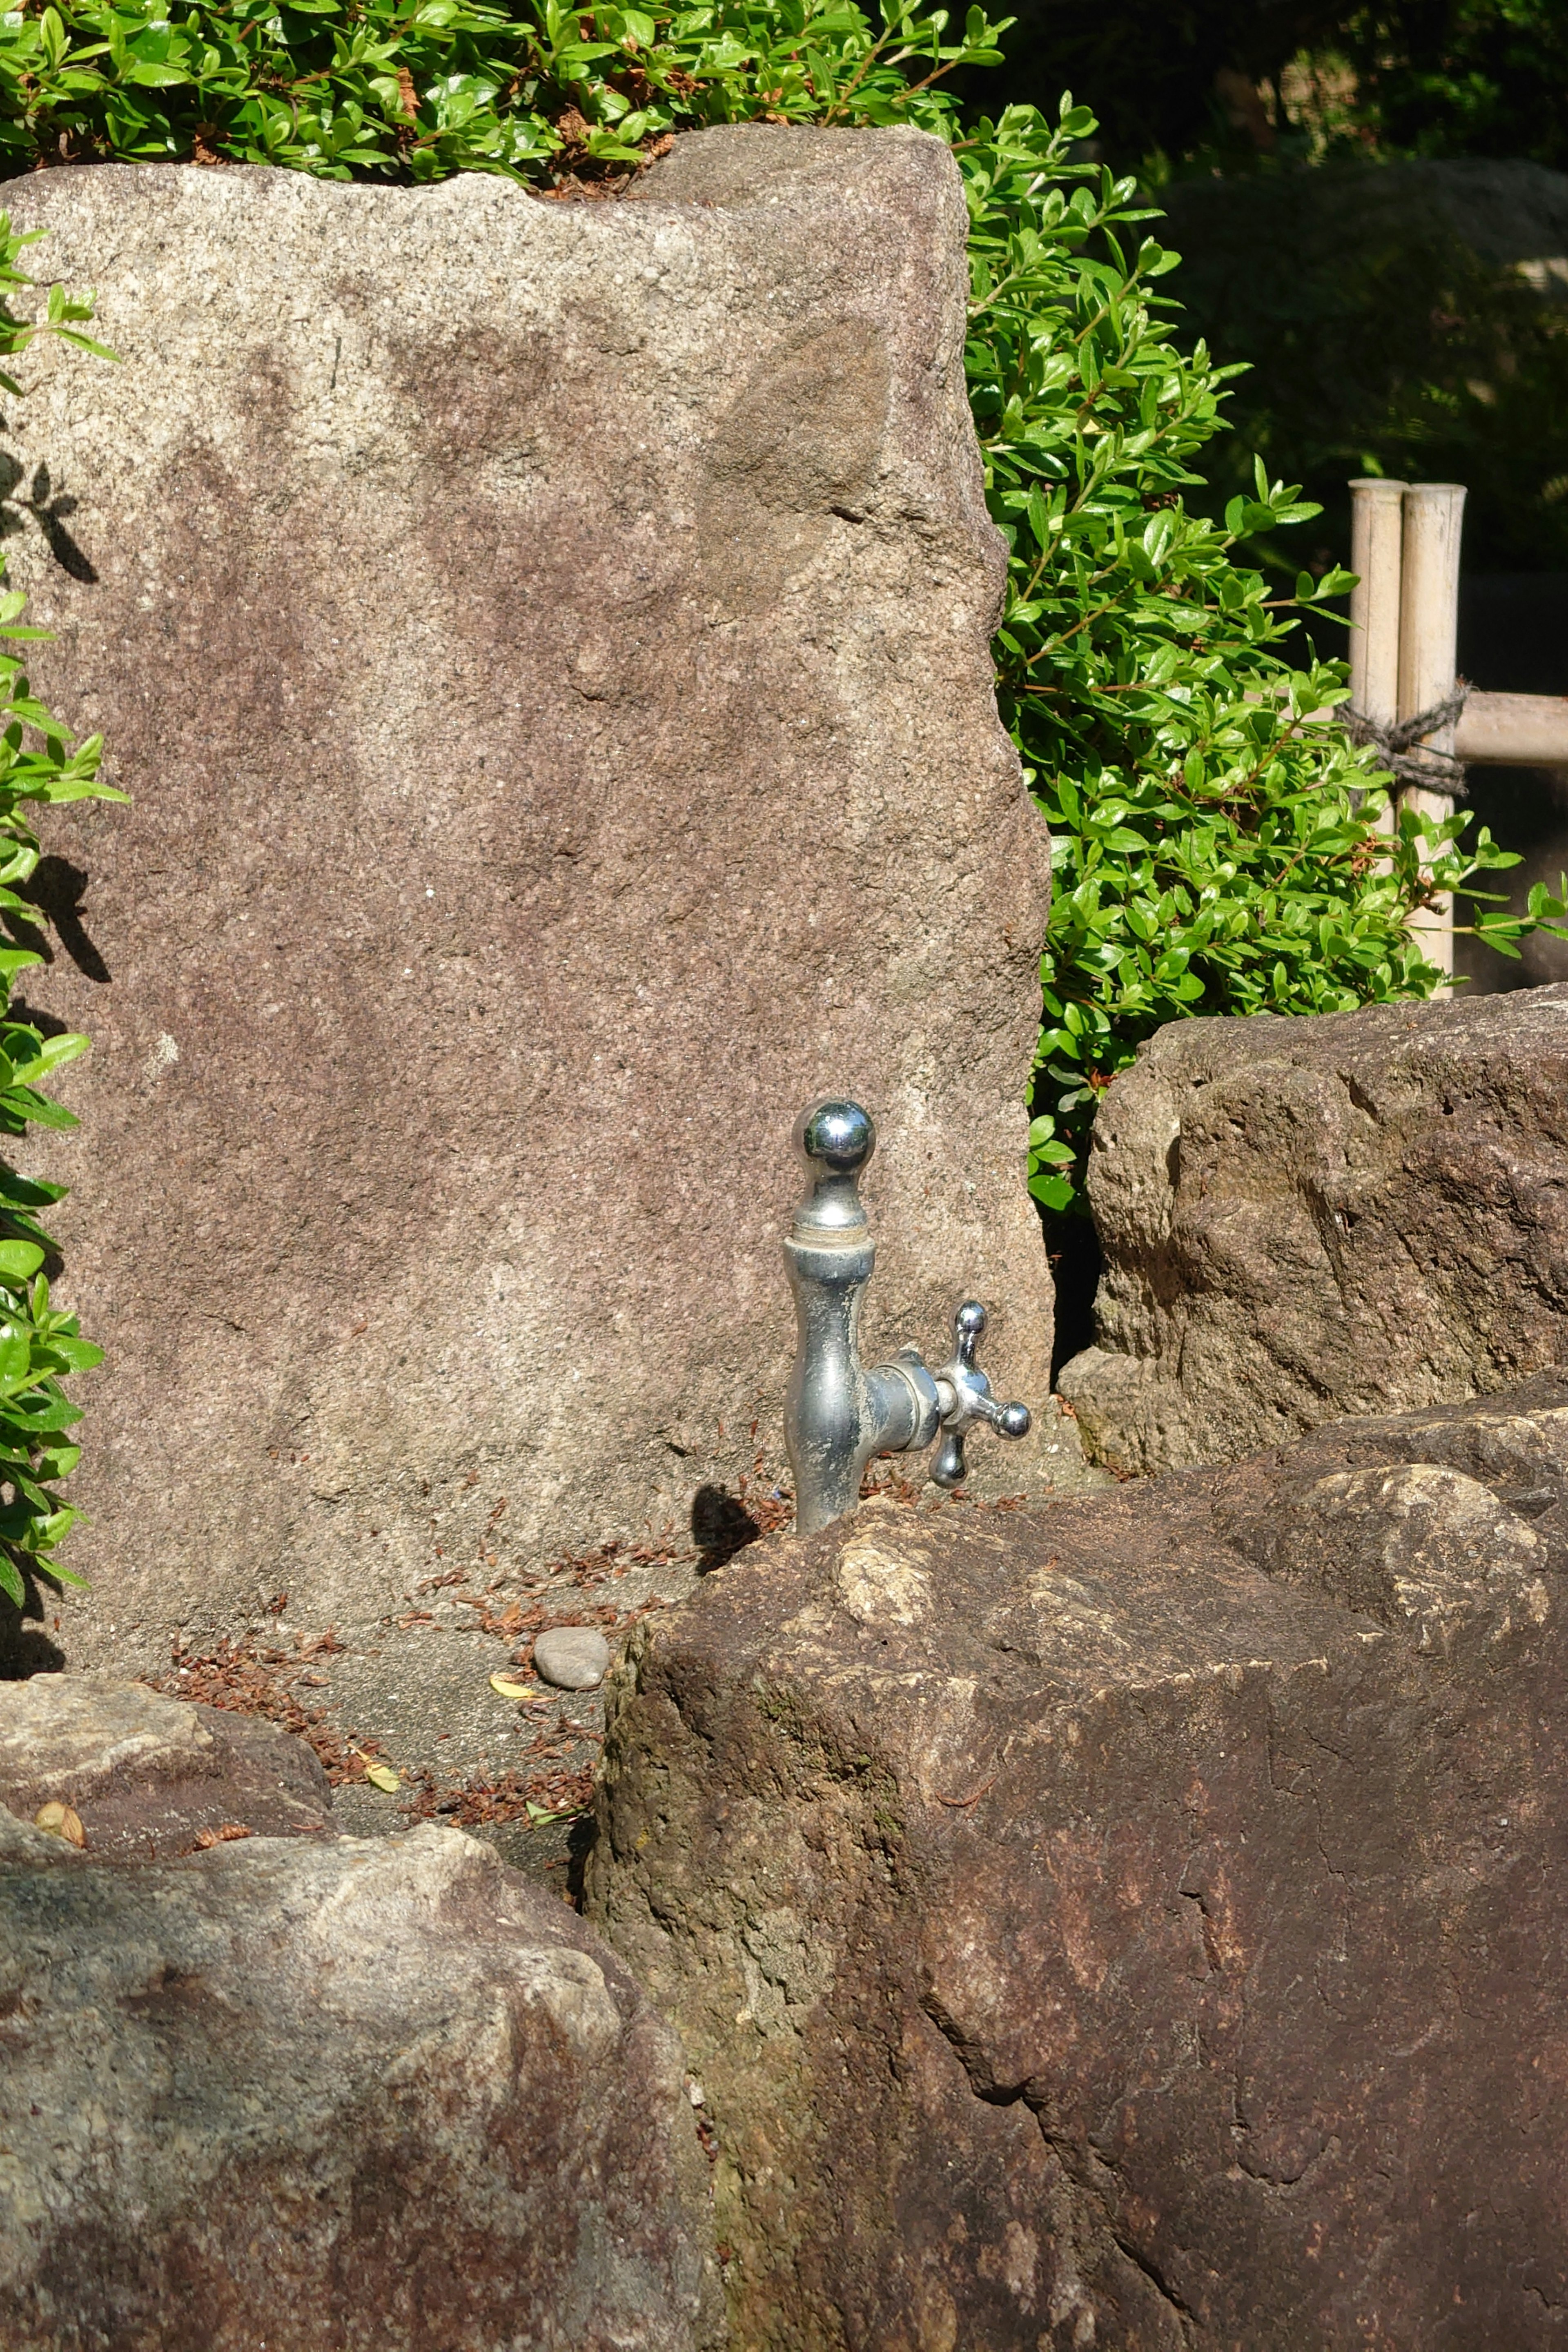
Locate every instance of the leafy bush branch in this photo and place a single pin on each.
(415, 89)
(38, 767)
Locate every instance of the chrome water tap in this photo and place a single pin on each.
(837, 1415)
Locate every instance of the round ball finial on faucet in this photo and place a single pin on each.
(836, 1136)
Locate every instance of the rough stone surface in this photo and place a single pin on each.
(375, 2097)
(1303, 1218)
(1135, 1922)
(571, 1658)
(148, 1774)
(547, 645)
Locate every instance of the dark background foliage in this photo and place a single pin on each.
(1368, 209)
(1210, 80)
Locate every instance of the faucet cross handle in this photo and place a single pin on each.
(964, 1395)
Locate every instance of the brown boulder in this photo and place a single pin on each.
(548, 649)
(1359, 1213)
(148, 1776)
(333, 2096)
(1132, 1923)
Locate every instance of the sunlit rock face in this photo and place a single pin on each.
(380, 2096)
(1361, 1213)
(1129, 1922)
(547, 648)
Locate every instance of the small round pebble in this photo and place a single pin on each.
(573, 1657)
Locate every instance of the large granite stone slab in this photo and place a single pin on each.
(1358, 1214)
(1133, 1923)
(547, 645)
(381, 2098)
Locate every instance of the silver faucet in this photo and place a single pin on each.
(838, 1415)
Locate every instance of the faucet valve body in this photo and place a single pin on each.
(838, 1415)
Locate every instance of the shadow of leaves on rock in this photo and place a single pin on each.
(57, 889)
(47, 508)
(26, 1647)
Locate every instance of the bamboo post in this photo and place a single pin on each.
(1377, 522)
(1428, 656)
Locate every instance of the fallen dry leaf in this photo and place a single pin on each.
(224, 1832)
(504, 1688)
(61, 1821)
(382, 1777)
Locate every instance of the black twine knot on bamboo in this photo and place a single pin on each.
(1396, 747)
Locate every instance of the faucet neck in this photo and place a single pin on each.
(832, 1211)
(825, 1414)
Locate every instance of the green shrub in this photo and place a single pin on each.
(1218, 849)
(415, 89)
(38, 1345)
(1217, 843)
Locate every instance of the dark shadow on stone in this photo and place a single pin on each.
(62, 546)
(25, 1649)
(12, 510)
(57, 889)
(721, 1526)
(49, 514)
(48, 1024)
(1072, 1249)
(580, 1840)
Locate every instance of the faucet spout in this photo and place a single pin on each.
(838, 1415)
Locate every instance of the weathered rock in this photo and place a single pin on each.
(572, 1657)
(548, 647)
(1303, 1218)
(380, 2097)
(146, 1774)
(1135, 1922)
